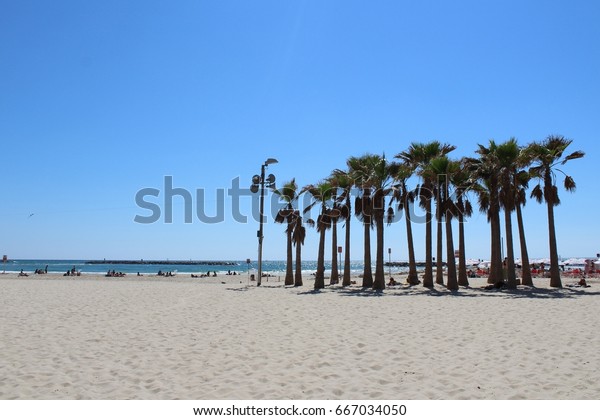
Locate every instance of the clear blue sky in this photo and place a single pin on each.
(99, 99)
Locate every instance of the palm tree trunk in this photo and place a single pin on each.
(320, 275)
(347, 281)
(526, 279)
(413, 277)
(554, 269)
(379, 283)
(452, 282)
(289, 269)
(463, 279)
(334, 263)
(367, 271)
(496, 274)
(511, 276)
(439, 273)
(428, 276)
(298, 279)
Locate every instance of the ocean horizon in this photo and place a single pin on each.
(274, 267)
(223, 266)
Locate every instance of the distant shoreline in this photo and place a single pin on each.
(160, 262)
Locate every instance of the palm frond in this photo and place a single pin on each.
(537, 193)
(570, 184)
(554, 198)
(575, 155)
(389, 216)
(468, 209)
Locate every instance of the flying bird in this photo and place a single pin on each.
(31, 215)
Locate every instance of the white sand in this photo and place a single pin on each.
(154, 338)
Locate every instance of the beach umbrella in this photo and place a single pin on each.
(470, 261)
(574, 261)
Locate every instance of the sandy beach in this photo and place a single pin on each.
(92, 337)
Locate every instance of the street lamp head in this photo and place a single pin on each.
(271, 161)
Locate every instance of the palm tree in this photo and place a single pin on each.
(320, 194)
(442, 169)
(335, 214)
(344, 181)
(298, 236)
(508, 155)
(417, 157)
(382, 173)
(405, 199)
(513, 196)
(460, 181)
(546, 155)
(363, 209)
(375, 174)
(439, 263)
(522, 182)
(288, 194)
(484, 175)
(438, 180)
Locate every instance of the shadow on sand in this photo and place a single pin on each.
(463, 292)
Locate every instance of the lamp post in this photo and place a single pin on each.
(269, 182)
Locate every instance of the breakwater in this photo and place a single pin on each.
(160, 262)
(406, 264)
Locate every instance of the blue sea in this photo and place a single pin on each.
(275, 268)
(61, 266)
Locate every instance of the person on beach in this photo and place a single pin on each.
(580, 283)
(23, 274)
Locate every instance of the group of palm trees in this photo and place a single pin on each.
(498, 178)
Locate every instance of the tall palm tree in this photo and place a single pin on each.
(522, 182)
(344, 181)
(405, 200)
(335, 215)
(484, 174)
(289, 195)
(320, 194)
(382, 172)
(461, 183)
(363, 209)
(298, 236)
(438, 180)
(442, 169)
(508, 156)
(515, 181)
(417, 157)
(546, 155)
